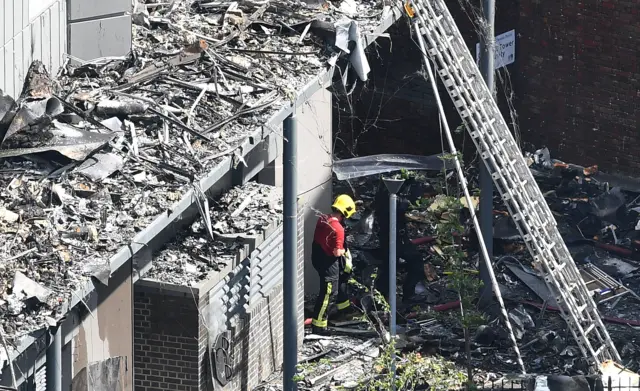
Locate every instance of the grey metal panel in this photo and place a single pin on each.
(25, 13)
(45, 33)
(100, 38)
(9, 74)
(8, 20)
(27, 58)
(2, 40)
(57, 25)
(231, 294)
(36, 42)
(18, 62)
(22, 40)
(41, 379)
(86, 9)
(18, 13)
(266, 266)
(2, 85)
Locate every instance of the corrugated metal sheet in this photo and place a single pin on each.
(231, 295)
(250, 281)
(266, 266)
(30, 30)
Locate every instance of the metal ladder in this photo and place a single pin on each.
(500, 153)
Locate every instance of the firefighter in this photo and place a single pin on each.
(332, 261)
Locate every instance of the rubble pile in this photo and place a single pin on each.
(247, 209)
(242, 211)
(91, 157)
(598, 216)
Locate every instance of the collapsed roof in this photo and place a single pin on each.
(94, 156)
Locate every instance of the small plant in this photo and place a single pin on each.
(449, 231)
(412, 370)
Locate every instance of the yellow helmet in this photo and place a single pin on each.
(345, 205)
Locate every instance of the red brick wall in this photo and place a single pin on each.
(580, 82)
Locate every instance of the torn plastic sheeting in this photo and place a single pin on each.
(380, 164)
(347, 30)
(71, 142)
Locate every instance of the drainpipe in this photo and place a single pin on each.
(487, 68)
(393, 186)
(290, 239)
(54, 361)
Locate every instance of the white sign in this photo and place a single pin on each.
(505, 49)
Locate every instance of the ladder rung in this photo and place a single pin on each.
(589, 329)
(581, 308)
(600, 349)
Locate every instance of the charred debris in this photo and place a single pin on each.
(92, 156)
(598, 216)
(213, 241)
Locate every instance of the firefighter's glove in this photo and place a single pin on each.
(348, 261)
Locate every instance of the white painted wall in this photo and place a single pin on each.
(314, 169)
(315, 144)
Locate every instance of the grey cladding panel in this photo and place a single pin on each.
(25, 37)
(100, 38)
(266, 266)
(86, 9)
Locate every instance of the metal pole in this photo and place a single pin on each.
(290, 239)
(393, 198)
(54, 362)
(487, 68)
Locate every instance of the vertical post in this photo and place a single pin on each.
(393, 198)
(393, 187)
(487, 68)
(54, 362)
(290, 239)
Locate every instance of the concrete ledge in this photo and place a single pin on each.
(151, 285)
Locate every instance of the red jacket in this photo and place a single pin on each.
(329, 234)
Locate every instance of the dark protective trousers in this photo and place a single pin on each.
(333, 285)
(414, 268)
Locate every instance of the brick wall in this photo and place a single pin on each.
(165, 340)
(579, 80)
(394, 111)
(174, 330)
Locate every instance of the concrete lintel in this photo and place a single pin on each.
(152, 286)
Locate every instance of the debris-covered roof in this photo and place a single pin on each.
(93, 156)
(243, 211)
